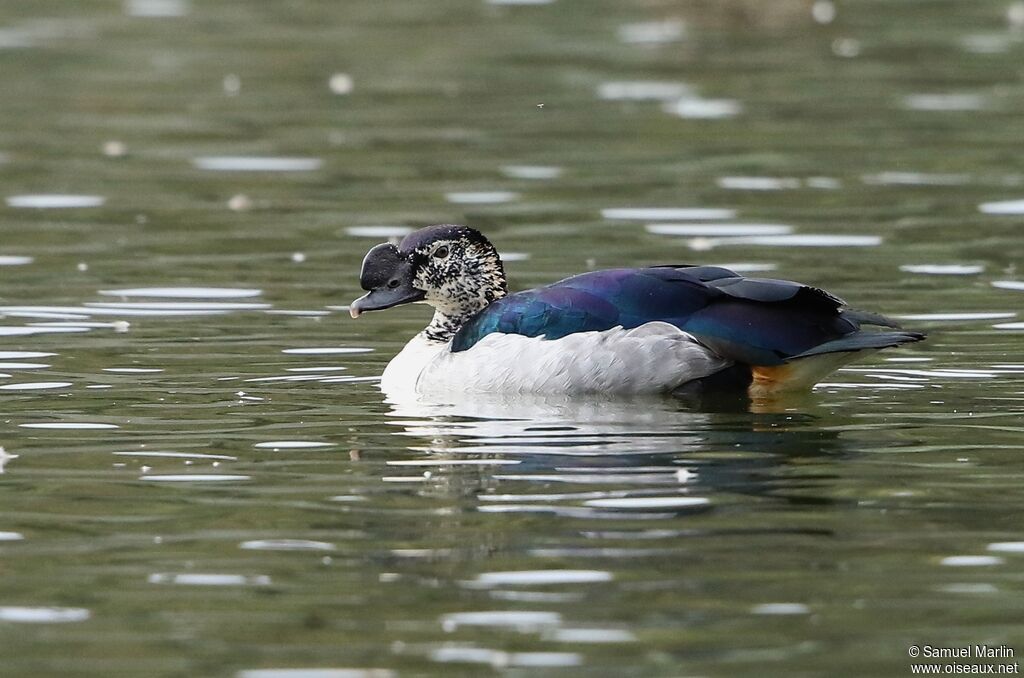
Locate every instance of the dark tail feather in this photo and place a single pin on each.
(859, 341)
(868, 318)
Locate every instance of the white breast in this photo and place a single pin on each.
(653, 358)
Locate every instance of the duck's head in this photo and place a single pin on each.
(453, 268)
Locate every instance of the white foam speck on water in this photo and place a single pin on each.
(642, 91)
(22, 366)
(14, 260)
(945, 102)
(943, 269)
(292, 444)
(326, 350)
(532, 172)
(648, 502)
(11, 536)
(780, 609)
(43, 615)
(315, 673)
(36, 386)
(1002, 207)
(971, 561)
(69, 425)
(514, 256)
(176, 455)
(758, 183)
(717, 229)
(652, 32)
(696, 108)
(184, 292)
(666, 213)
(208, 579)
(987, 43)
(521, 620)
(585, 635)
(914, 179)
(55, 201)
(15, 355)
(481, 197)
(1009, 284)
(540, 577)
(957, 317)
(1009, 326)
(341, 83)
(519, 2)
(241, 163)
(286, 545)
(378, 231)
(194, 478)
(156, 9)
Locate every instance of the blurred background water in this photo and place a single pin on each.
(202, 479)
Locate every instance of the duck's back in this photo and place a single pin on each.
(753, 321)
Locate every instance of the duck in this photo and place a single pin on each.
(664, 329)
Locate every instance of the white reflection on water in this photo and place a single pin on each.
(55, 201)
(184, 292)
(501, 659)
(229, 163)
(780, 609)
(481, 197)
(43, 615)
(520, 620)
(704, 109)
(971, 561)
(204, 579)
(315, 673)
(194, 478)
(156, 9)
(652, 32)
(943, 269)
(758, 183)
(715, 229)
(586, 635)
(36, 386)
(291, 444)
(945, 102)
(915, 179)
(327, 350)
(641, 503)
(540, 577)
(532, 172)
(957, 316)
(642, 91)
(6, 355)
(14, 260)
(1009, 284)
(69, 425)
(794, 240)
(378, 231)
(666, 213)
(1002, 207)
(286, 545)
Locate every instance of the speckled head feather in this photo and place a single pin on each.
(453, 268)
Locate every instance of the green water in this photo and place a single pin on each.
(834, 528)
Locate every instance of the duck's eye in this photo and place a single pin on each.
(394, 283)
(441, 253)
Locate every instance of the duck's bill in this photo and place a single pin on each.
(380, 299)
